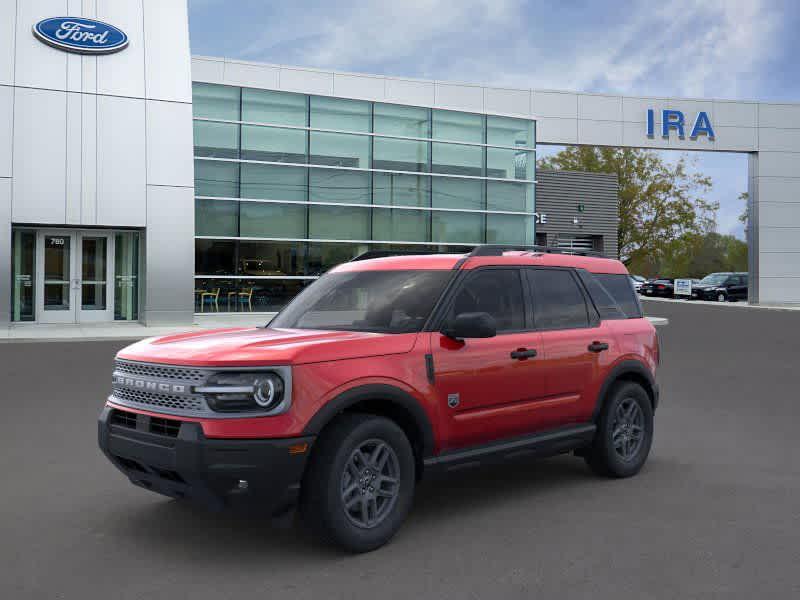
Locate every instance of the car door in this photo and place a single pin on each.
(487, 388)
(575, 344)
(739, 287)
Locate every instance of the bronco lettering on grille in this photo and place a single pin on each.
(154, 386)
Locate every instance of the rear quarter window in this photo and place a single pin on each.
(620, 288)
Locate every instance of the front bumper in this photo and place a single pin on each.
(174, 458)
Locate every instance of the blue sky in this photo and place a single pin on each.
(741, 49)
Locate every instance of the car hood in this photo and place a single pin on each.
(260, 346)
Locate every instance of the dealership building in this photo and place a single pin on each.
(139, 183)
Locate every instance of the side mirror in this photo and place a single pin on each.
(471, 325)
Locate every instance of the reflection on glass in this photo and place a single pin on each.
(216, 217)
(457, 227)
(219, 140)
(339, 150)
(401, 190)
(400, 155)
(281, 108)
(341, 114)
(263, 219)
(406, 121)
(509, 229)
(457, 159)
(273, 182)
(216, 178)
(509, 164)
(401, 224)
(507, 131)
(23, 253)
(510, 196)
(56, 272)
(457, 126)
(451, 192)
(93, 273)
(126, 276)
(215, 101)
(273, 144)
(337, 185)
(338, 222)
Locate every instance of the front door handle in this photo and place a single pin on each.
(523, 353)
(597, 347)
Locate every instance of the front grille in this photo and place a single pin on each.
(195, 404)
(123, 419)
(124, 367)
(168, 427)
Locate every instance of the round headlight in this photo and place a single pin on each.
(268, 391)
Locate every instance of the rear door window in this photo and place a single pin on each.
(558, 302)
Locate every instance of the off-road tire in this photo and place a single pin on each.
(322, 505)
(603, 456)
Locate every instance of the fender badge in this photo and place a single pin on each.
(452, 400)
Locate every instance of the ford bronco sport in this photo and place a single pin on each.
(386, 370)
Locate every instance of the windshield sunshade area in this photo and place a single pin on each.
(376, 301)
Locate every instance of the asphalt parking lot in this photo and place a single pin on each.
(715, 513)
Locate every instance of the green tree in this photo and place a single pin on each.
(659, 202)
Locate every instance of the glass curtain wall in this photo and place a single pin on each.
(288, 185)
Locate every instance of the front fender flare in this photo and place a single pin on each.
(375, 391)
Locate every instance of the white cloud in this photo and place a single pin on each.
(686, 47)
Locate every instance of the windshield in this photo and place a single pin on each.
(714, 279)
(377, 301)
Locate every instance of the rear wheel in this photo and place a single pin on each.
(359, 486)
(624, 432)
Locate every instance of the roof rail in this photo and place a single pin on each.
(479, 250)
(498, 249)
(384, 253)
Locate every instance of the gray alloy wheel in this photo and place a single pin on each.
(370, 483)
(624, 432)
(627, 429)
(721, 297)
(359, 484)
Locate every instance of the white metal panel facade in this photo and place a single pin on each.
(74, 128)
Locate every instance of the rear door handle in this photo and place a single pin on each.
(597, 347)
(523, 353)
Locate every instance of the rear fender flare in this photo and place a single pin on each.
(620, 371)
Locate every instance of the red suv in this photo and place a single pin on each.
(386, 370)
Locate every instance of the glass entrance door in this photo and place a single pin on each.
(94, 291)
(73, 274)
(56, 277)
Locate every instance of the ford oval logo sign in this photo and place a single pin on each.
(76, 34)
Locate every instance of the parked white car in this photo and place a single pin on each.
(637, 281)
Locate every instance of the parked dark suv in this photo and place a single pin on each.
(722, 287)
(385, 371)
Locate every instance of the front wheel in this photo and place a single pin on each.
(721, 297)
(624, 432)
(359, 486)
